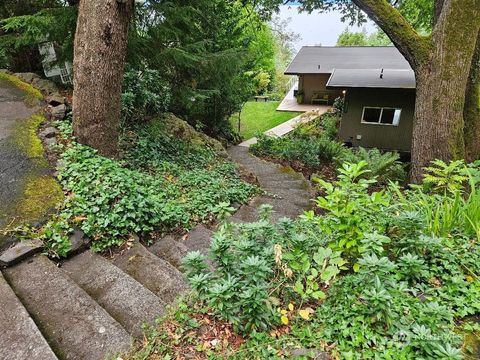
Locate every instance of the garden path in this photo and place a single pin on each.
(90, 306)
(15, 164)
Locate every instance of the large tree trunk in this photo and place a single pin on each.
(99, 59)
(472, 109)
(438, 131)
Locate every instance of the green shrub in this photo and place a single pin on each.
(326, 125)
(145, 93)
(386, 166)
(309, 151)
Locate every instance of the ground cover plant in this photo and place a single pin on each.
(257, 117)
(313, 146)
(161, 183)
(377, 277)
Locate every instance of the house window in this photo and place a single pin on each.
(383, 116)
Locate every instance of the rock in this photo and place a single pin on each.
(28, 77)
(47, 133)
(6, 71)
(58, 112)
(55, 99)
(311, 353)
(45, 86)
(78, 241)
(184, 131)
(51, 141)
(20, 251)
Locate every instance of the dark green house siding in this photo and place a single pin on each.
(388, 137)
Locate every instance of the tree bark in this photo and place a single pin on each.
(439, 123)
(99, 59)
(472, 109)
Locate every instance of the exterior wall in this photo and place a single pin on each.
(386, 137)
(311, 83)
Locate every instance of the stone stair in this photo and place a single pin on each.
(91, 307)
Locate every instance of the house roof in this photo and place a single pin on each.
(372, 78)
(323, 59)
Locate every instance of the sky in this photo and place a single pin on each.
(317, 28)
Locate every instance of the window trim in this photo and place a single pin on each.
(381, 114)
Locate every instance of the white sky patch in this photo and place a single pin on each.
(318, 28)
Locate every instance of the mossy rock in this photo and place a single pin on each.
(180, 129)
(32, 95)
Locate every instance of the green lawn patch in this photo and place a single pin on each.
(259, 117)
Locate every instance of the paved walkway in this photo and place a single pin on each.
(288, 126)
(16, 163)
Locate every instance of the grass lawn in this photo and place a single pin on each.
(260, 117)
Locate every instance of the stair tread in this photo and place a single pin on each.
(124, 298)
(22, 340)
(198, 239)
(169, 249)
(73, 323)
(156, 274)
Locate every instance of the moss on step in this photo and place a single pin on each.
(32, 95)
(25, 136)
(40, 192)
(40, 195)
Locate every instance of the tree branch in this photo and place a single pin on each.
(414, 47)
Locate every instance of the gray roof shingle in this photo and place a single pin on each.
(370, 78)
(322, 60)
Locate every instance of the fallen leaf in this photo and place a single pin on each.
(284, 320)
(290, 307)
(305, 314)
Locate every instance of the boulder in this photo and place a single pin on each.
(45, 86)
(55, 99)
(20, 251)
(182, 130)
(58, 112)
(78, 240)
(47, 133)
(28, 77)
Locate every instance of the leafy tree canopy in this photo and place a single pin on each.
(348, 38)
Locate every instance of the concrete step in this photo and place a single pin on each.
(20, 338)
(281, 208)
(124, 298)
(169, 249)
(284, 183)
(198, 239)
(246, 213)
(72, 322)
(156, 274)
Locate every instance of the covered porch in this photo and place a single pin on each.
(289, 103)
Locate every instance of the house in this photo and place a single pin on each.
(377, 84)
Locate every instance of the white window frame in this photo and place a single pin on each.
(381, 114)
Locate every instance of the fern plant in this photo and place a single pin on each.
(443, 177)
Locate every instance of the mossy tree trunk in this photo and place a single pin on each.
(472, 109)
(443, 64)
(99, 59)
